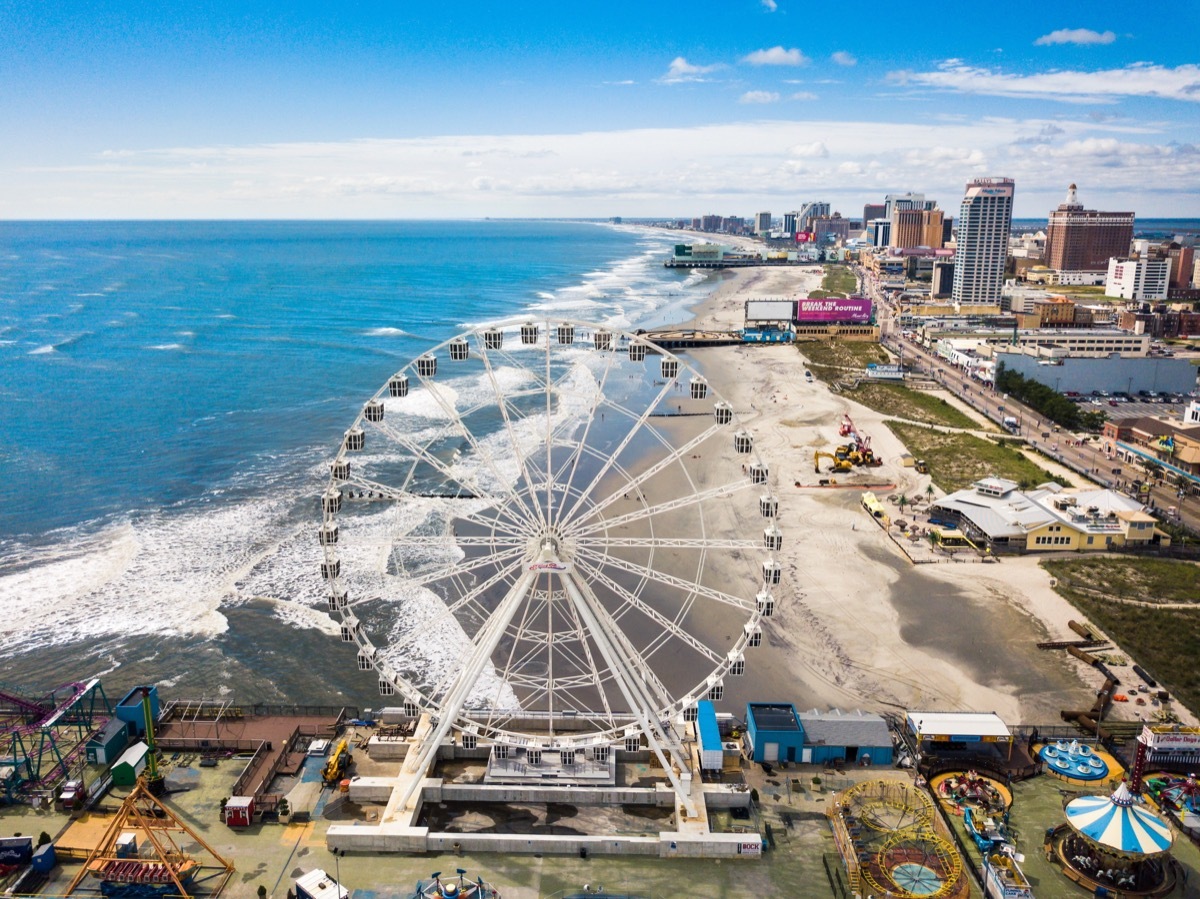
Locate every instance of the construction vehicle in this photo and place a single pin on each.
(922, 466)
(838, 464)
(339, 761)
(858, 452)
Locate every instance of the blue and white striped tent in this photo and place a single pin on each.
(1118, 823)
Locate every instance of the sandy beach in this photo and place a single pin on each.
(858, 624)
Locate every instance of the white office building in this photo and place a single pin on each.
(1138, 279)
(984, 221)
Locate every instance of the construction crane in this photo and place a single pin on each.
(838, 464)
(858, 452)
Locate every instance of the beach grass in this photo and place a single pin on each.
(833, 356)
(1159, 637)
(914, 405)
(957, 460)
(839, 281)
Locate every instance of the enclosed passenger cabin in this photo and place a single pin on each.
(602, 340)
(566, 334)
(373, 411)
(699, 388)
(338, 599)
(765, 602)
(330, 570)
(772, 572)
(529, 333)
(386, 688)
(669, 368)
(427, 365)
(331, 501)
(637, 351)
(753, 636)
(743, 442)
(773, 538)
(758, 473)
(737, 663)
(398, 385)
(723, 413)
(493, 339)
(355, 439)
(768, 506)
(327, 534)
(459, 349)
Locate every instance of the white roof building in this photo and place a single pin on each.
(1047, 517)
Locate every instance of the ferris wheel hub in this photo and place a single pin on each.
(548, 556)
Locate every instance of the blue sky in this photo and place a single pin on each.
(461, 109)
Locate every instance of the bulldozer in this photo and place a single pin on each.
(838, 464)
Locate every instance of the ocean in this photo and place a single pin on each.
(173, 391)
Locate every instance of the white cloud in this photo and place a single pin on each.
(815, 150)
(803, 95)
(1075, 36)
(681, 70)
(649, 171)
(776, 56)
(620, 83)
(759, 97)
(770, 5)
(1108, 86)
(842, 58)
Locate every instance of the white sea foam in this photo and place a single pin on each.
(43, 350)
(386, 332)
(166, 346)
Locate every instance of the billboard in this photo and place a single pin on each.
(805, 236)
(855, 310)
(1159, 739)
(769, 310)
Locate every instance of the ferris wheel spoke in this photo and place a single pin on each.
(638, 480)
(463, 431)
(422, 454)
(421, 579)
(634, 430)
(673, 543)
(668, 625)
(670, 580)
(648, 695)
(681, 502)
(589, 421)
(450, 611)
(503, 404)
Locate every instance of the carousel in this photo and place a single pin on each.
(1114, 843)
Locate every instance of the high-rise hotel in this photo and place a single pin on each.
(984, 221)
(1079, 239)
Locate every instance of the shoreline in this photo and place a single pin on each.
(858, 625)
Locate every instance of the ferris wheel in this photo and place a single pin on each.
(550, 534)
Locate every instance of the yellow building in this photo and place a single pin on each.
(1047, 519)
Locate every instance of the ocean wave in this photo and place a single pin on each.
(43, 350)
(166, 346)
(386, 332)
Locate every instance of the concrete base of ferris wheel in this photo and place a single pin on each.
(399, 832)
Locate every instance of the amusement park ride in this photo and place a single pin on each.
(42, 739)
(521, 540)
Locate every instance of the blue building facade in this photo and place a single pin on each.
(776, 732)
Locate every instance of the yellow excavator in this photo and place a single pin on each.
(838, 464)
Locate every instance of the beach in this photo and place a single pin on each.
(858, 625)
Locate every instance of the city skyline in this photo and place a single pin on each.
(665, 110)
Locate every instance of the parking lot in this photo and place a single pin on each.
(1134, 407)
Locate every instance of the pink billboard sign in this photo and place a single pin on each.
(834, 309)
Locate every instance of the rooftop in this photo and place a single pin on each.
(773, 716)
